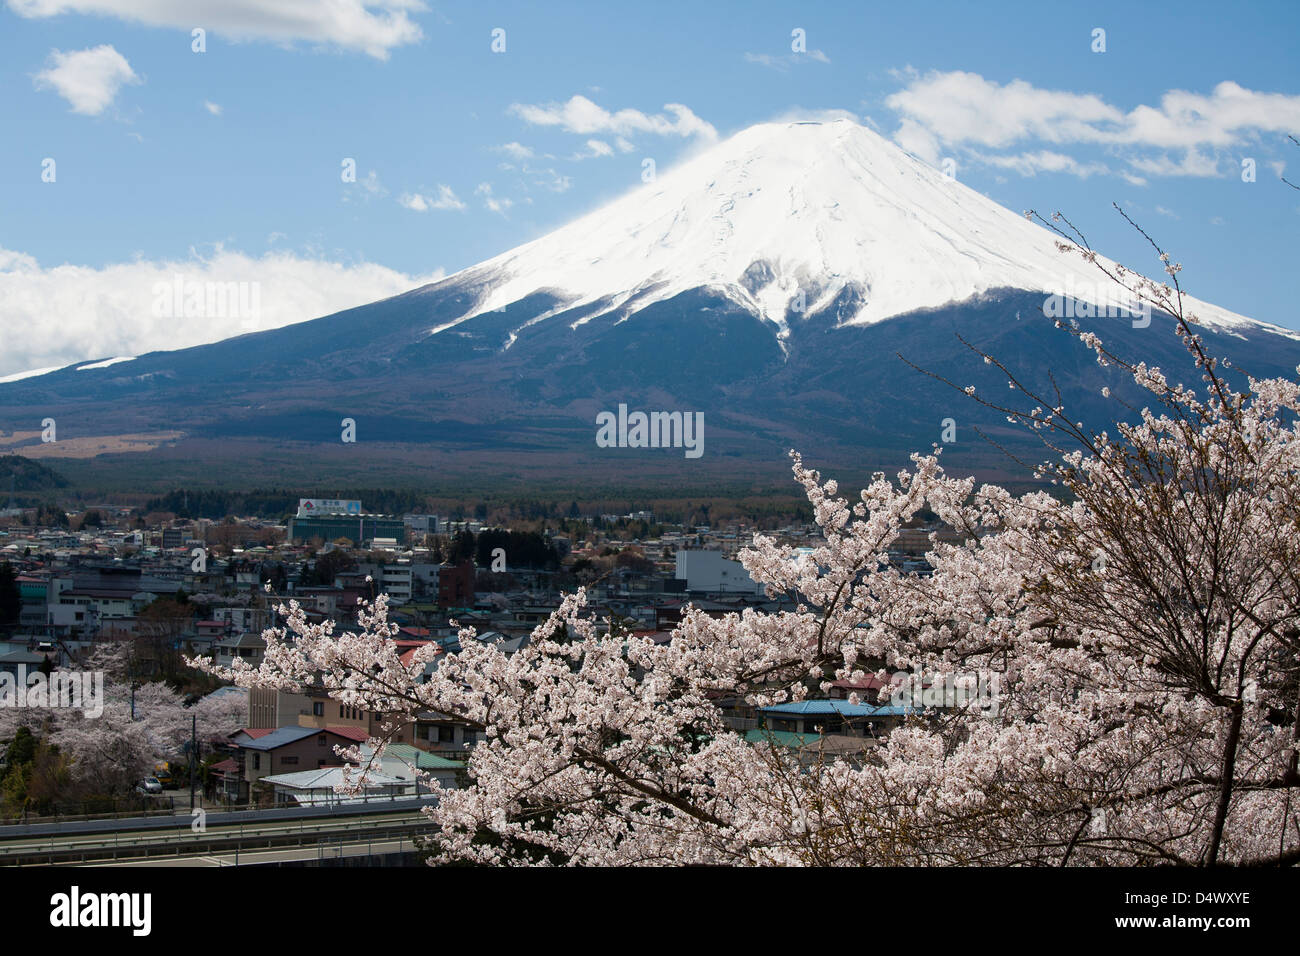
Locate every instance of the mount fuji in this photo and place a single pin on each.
(830, 209)
(770, 283)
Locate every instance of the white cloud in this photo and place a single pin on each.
(550, 179)
(446, 199)
(787, 60)
(88, 79)
(498, 204)
(78, 313)
(516, 151)
(370, 185)
(1193, 163)
(596, 149)
(916, 138)
(543, 178)
(581, 116)
(939, 111)
(374, 27)
(212, 107)
(1042, 161)
(1228, 116)
(960, 107)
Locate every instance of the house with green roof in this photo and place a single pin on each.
(401, 761)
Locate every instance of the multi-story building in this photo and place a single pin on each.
(709, 572)
(35, 598)
(269, 708)
(110, 593)
(456, 585)
(356, 528)
(422, 524)
(396, 581)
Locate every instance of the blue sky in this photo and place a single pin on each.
(228, 161)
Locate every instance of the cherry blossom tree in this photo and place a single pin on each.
(109, 751)
(1140, 621)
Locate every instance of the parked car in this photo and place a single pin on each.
(149, 785)
(162, 772)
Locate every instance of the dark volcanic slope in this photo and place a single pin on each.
(841, 394)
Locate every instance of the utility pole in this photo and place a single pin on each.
(194, 752)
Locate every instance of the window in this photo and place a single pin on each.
(446, 734)
(318, 709)
(288, 761)
(257, 761)
(320, 740)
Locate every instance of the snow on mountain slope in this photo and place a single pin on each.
(31, 373)
(106, 363)
(784, 208)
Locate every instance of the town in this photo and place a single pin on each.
(163, 589)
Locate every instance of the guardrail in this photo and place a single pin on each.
(217, 817)
(117, 813)
(184, 842)
(141, 811)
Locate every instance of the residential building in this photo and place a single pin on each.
(708, 572)
(290, 749)
(272, 708)
(319, 787)
(248, 647)
(401, 761)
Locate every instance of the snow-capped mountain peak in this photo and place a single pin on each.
(782, 217)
